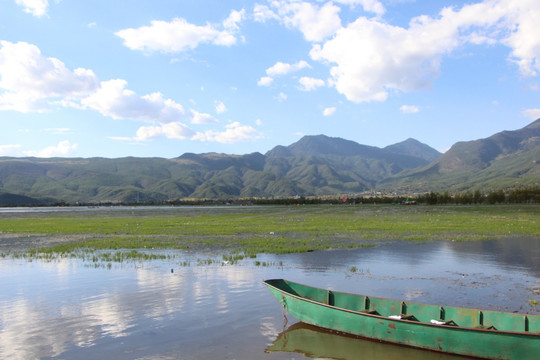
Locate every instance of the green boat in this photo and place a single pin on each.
(462, 331)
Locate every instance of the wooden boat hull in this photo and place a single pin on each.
(469, 332)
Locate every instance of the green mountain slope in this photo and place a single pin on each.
(504, 160)
(315, 165)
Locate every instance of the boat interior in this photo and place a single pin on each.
(411, 311)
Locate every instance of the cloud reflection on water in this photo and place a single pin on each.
(66, 309)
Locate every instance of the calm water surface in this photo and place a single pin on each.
(68, 309)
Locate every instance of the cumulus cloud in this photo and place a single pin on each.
(172, 130)
(310, 84)
(38, 8)
(281, 68)
(234, 132)
(384, 57)
(329, 111)
(409, 109)
(525, 45)
(532, 114)
(201, 118)
(373, 6)
(265, 81)
(9, 150)
(262, 13)
(30, 80)
(387, 58)
(114, 100)
(220, 107)
(316, 22)
(235, 18)
(63, 148)
(179, 35)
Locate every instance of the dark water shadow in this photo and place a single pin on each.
(314, 342)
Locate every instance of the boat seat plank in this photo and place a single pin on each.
(307, 292)
(349, 301)
(504, 321)
(422, 312)
(461, 317)
(385, 307)
(533, 324)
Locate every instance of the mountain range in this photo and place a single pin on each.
(314, 165)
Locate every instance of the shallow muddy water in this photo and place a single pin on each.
(69, 309)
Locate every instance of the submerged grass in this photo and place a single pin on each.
(243, 233)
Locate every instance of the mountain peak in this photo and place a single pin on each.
(311, 145)
(414, 148)
(534, 125)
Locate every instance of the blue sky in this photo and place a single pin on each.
(145, 78)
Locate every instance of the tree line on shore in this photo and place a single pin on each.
(529, 195)
(516, 196)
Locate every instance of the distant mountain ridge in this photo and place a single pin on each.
(496, 161)
(314, 165)
(324, 145)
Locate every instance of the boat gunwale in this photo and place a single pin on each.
(420, 323)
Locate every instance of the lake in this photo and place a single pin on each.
(182, 309)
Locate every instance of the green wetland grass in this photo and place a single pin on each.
(243, 232)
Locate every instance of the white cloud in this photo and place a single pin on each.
(201, 118)
(532, 114)
(265, 81)
(220, 107)
(113, 100)
(261, 13)
(258, 122)
(329, 111)
(234, 132)
(9, 150)
(523, 39)
(30, 80)
(373, 6)
(310, 84)
(63, 148)
(179, 35)
(235, 17)
(409, 109)
(172, 130)
(384, 57)
(315, 22)
(37, 8)
(281, 68)
(388, 58)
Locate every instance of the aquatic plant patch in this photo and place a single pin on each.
(243, 232)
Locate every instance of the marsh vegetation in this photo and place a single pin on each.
(236, 233)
